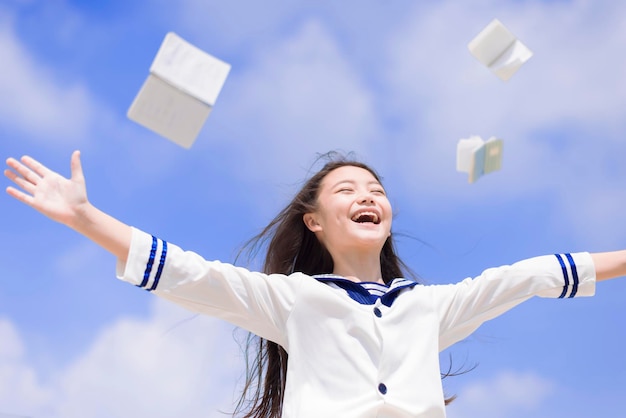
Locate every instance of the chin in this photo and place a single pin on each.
(374, 241)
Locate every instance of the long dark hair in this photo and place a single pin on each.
(292, 247)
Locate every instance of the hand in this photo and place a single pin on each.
(48, 192)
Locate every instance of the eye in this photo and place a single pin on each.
(345, 190)
(378, 192)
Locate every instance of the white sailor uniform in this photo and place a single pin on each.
(352, 354)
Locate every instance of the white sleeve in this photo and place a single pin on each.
(464, 306)
(255, 301)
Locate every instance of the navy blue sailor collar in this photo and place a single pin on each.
(367, 293)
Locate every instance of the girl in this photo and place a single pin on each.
(343, 332)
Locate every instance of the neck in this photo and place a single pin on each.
(358, 267)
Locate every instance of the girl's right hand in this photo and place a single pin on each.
(48, 192)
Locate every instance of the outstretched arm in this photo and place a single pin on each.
(65, 201)
(609, 265)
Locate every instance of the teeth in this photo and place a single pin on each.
(370, 215)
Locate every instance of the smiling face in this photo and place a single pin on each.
(353, 212)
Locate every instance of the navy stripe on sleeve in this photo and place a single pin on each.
(574, 275)
(565, 275)
(160, 269)
(146, 273)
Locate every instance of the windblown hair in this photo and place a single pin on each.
(292, 247)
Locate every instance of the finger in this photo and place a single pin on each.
(23, 171)
(76, 166)
(20, 181)
(13, 163)
(40, 169)
(21, 196)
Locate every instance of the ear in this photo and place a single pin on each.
(310, 220)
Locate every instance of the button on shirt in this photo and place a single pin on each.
(344, 359)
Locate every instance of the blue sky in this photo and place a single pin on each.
(393, 82)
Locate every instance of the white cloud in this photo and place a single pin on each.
(171, 364)
(298, 98)
(508, 394)
(567, 77)
(21, 389)
(34, 101)
(311, 91)
(559, 115)
(434, 76)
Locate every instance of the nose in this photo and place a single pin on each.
(366, 198)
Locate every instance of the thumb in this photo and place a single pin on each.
(76, 167)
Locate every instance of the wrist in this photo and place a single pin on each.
(83, 218)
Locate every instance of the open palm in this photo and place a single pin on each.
(55, 196)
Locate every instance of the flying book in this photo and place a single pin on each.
(498, 49)
(477, 157)
(180, 91)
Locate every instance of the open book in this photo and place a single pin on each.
(180, 91)
(498, 49)
(477, 157)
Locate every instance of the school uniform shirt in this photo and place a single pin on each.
(350, 354)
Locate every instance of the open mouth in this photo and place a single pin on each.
(366, 217)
